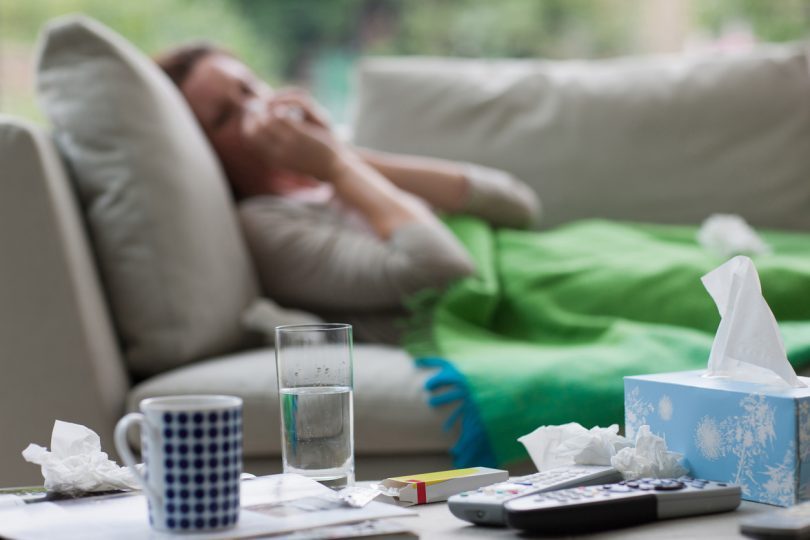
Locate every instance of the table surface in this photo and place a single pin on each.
(436, 521)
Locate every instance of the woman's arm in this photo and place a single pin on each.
(312, 149)
(441, 183)
(452, 187)
(447, 186)
(384, 205)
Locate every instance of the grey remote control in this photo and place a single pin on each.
(484, 506)
(622, 504)
(793, 522)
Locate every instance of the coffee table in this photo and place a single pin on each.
(436, 522)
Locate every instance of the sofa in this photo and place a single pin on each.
(662, 139)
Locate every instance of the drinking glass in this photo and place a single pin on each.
(315, 385)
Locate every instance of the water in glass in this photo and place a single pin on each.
(317, 428)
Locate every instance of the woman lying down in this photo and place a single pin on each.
(537, 327)
(336, 230)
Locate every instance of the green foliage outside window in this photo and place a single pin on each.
(315, 42)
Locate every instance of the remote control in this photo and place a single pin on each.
(484, 506)
(608, 506)
(793, 522)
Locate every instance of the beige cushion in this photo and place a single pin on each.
(165, 232)
(656, 139)
(390, 404)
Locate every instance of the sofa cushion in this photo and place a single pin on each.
(159, 212)
(391, 414)
(661, 139)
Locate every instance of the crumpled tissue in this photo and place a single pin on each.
(648, 459)
(729, 234)
(568, 444)
(75, 464)
(573, 444)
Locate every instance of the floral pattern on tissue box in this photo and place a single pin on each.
(754, 435)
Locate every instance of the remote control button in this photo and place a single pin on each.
(618, 488)
(632, 484)
(646, 487)
(669, 486)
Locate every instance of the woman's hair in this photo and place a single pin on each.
(178, 61)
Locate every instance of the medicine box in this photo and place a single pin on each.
(751, 434)
(439, 486)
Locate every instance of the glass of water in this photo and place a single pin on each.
(314, 363)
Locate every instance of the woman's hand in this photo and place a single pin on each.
(294, 144)
(301, 99)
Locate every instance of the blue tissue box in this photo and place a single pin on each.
(751, 434)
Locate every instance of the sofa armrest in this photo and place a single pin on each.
(58, 353)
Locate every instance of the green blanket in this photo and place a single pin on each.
(545, 331)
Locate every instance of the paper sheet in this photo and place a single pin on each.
(125, 516)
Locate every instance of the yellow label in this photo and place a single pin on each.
(436, 477)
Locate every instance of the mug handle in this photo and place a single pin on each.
(124, 450)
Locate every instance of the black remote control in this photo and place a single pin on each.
(622, 504)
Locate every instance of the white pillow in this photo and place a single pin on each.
(157, 205)
(661, 139)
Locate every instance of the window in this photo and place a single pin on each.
(314, 43)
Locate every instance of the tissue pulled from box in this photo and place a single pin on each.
(569, 444)
(75, 463)
(748, 345)
(729, 234)
(649, 458)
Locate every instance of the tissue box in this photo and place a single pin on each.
(439, 486)
(751, 434)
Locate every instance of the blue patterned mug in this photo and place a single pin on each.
(192, 452)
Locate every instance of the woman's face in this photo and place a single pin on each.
(218, 89)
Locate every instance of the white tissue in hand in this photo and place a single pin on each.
(728, 234)
(747, 345)
(649, 458)
(558, 446)
(76, 464)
